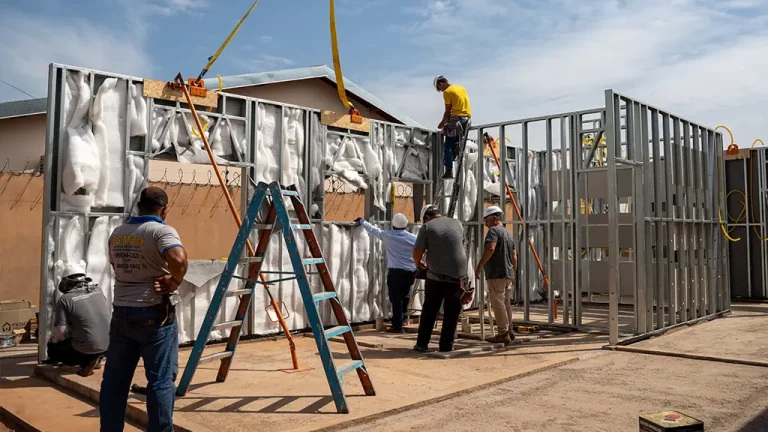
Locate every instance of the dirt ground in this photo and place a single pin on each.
(258, 396)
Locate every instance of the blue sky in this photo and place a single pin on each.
(704, 59)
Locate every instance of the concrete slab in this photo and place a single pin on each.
(36, 405)
(605, 393)
(256, 396)
(740, 336)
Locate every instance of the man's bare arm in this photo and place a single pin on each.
(176, 257)
(490, 247)
(446, 116)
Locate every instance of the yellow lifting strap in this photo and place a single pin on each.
(215, 57)
(337, 62)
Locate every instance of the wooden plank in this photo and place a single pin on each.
(161, 90)
(344, 121)
(742, 154)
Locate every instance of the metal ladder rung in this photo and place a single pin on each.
(324, 296)
(335, 331)
(349, 367)
(227, 324)
(289, 193)
(312, 261)
(302, 227)
(216, 356)
(239, 292)
(274, 281)
(250, 260)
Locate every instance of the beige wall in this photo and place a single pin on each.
(22, 142)
(311, 93)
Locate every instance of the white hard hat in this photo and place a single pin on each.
(424, 210)
(492, 210)
(399, 221)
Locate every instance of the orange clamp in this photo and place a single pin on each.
(355, 116)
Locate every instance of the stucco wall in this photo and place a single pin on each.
(312, 93)
(22, 142)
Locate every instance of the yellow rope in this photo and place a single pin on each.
(215, 57)
(337, 62)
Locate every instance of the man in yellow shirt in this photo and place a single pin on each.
(455, 120)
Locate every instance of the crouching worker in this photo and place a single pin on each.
(499, 262)
(80, 325)
(401, 269)
(150, 264)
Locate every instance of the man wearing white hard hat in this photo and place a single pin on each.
(401, 269)
(499, 262)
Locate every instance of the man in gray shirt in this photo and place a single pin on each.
(442, 239)
(149, 263)
(80, 333)
(499, 261)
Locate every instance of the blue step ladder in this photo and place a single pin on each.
(277, 219)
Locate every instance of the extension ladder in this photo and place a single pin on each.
(457, 180)
(278, 219)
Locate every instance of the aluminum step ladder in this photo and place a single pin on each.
(278, 219)
(439, 197)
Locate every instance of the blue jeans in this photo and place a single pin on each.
(451, 144)
(399, 284)
(137, 332)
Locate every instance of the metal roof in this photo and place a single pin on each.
(23, 108)
(322, 71)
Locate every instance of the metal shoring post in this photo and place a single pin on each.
(688, 216)
(280, 178)
(680, 178)
(726, 280)
(761, 188)
(50, 145)
(748, 223)
(646, 190)
(638, 214)
(572, 311)
(550, 227)
(478, 244)
(698, 181)
(658, 252)
(524, 213)
(352, 296)
(704, 219)
(306, 116)
(668, 216)
(563, 204)
(712, 226)
(612, 103)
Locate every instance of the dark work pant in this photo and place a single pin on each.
(451, 145)
(437, 294)
(399, 284)
(63, 352)
(135, 333)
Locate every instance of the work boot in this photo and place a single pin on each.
(420, 349)
(448, 174)
(87, 370)
(395, 330)
(502, 337)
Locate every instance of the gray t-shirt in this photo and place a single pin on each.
(137, 250)
(500, 264)
(86, 315)
(443, 240)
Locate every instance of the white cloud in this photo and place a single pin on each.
(265, 38)
(703, 59)
(263, 62)
(28, 50)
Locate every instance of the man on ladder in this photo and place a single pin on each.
(455, 120)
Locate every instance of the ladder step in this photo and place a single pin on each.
(349, 367)
(226, 325)
(289, 193)
(240, 292)
(312, 261)
(302, 227)
(335, 331)
(250, 260)
(324, 296)
(217, 356)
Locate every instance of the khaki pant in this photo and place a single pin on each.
(500, 291)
